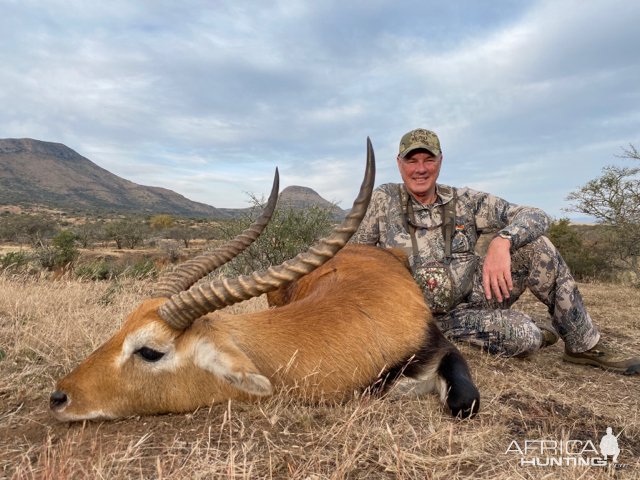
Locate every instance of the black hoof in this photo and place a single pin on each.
(633, 370)
(463, 399)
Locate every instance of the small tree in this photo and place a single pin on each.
(115, 231)
(289, 232)
(183, 233)
(614, 200)
(127, 233)
(88, 233)
(172, 250)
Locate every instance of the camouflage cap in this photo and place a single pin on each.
(419, 138)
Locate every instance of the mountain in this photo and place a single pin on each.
(304, 197)
(33, 172)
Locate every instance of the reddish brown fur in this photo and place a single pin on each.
(335, 331)
(344, 316)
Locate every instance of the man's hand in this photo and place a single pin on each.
(496, 271)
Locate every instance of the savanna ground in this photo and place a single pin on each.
(46, 328)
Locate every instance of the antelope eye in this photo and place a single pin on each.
(149, 354)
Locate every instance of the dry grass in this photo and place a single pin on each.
(47, 328)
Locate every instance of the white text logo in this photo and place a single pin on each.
(582, 453)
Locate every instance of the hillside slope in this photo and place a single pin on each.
(45, 173)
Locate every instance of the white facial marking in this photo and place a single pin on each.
(151, 336)
(65, 417)
(207, 357)
(211, 359)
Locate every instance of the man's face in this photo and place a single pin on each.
(419, 171)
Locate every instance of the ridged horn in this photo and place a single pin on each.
(189, 272)
(185, 307)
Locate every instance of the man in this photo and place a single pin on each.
(438, 226)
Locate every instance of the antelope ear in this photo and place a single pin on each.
(227, 362)
(252, 383)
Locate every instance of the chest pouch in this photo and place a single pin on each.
(434, 278)
(437, 286)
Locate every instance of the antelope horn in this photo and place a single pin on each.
(184, 308)
(189, 272)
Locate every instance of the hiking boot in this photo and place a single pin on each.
(606, 356)
(549, 334)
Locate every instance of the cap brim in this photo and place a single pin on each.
(428, 148)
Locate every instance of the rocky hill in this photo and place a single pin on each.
(304, 197)
(52, 174)
(34, 172)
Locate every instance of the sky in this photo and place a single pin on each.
(530, 99)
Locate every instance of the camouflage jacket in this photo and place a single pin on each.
(476, 213)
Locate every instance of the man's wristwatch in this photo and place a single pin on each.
(505, 234)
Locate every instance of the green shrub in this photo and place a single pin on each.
(143, 268)
(45, 256)
(95, 270)
(64, 245)
(290, 231)
(110, 268)
(14, 260)
(585, 262)
(61, 252)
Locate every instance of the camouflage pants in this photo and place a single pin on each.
(491, 325)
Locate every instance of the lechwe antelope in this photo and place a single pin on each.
(355, 321)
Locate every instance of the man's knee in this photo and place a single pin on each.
(522, 341)
(526, 345)
(502, 332)
(540, 248)
(539, 265)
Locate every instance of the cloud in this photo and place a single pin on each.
(208, 98)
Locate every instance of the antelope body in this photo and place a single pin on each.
(343, 321)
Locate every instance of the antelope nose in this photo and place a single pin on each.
(57, 399)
